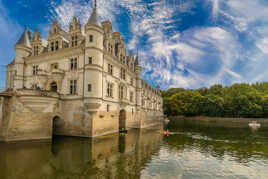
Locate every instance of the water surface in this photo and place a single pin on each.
(193, 151)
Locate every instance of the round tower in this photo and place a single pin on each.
(138, 71)
(94, 55)
(22, 49)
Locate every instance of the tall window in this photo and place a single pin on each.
(110, 90)
(74, 41)
(110, 69)
(90, 61)
(52, 46)
(35, 69)
(108, 107)
(36, 50)
(121, 92)
(123, 73)
(131, 96)
(131, 81)
(73, 63)
(73, 86)
(91, 38)
(57, 45)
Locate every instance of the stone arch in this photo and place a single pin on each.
(56, 123)
(122, 119)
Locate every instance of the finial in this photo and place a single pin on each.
(25, 28)
(95, 5)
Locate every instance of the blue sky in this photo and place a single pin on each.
(181, 43)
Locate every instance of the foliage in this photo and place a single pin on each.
(238, 100)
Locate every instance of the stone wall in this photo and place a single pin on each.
(27, 117)
(75, 120)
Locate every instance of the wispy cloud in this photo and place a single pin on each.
(10, 32)
(229, 46)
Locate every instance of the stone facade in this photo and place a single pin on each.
(75, 84)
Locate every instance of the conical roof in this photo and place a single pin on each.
(94, 16)
(137, 61)
(24, 39)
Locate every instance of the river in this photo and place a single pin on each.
(192, 151)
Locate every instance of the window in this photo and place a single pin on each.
(121, 92)
(110, 90)
(131, 81)
(52, 46)
(110, 69)
(55, 30)
(108, 107)
(89, 87)
(73, 86)
(36, 50)
(74, 41)
(90, 61)
(73, 63)
(131, 96)
(90, 38)
(123, 73)
(35, 69)
(57, 45)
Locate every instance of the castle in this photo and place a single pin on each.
(76, 83)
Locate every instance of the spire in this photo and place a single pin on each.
(24, 39)
(137, 59)
(94, 16)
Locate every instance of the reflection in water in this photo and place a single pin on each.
(194, 151)
(110, 156)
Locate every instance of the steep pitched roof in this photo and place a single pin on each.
(24, 39)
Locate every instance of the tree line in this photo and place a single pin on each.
(238, 100)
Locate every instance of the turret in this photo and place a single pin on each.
(22, 49)
(93, 30)
(138, 71)
(94, 54)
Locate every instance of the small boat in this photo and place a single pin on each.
(123, 131)
(254, 125)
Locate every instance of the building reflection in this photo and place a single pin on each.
(113, 156)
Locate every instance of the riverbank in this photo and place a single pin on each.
(217, 121)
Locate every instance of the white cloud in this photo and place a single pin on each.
(199, 56)
(10, 31)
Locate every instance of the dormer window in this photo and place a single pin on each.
(91, 38)
(52, 46)
(36, 50)
(74, 41)
(57, 45)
